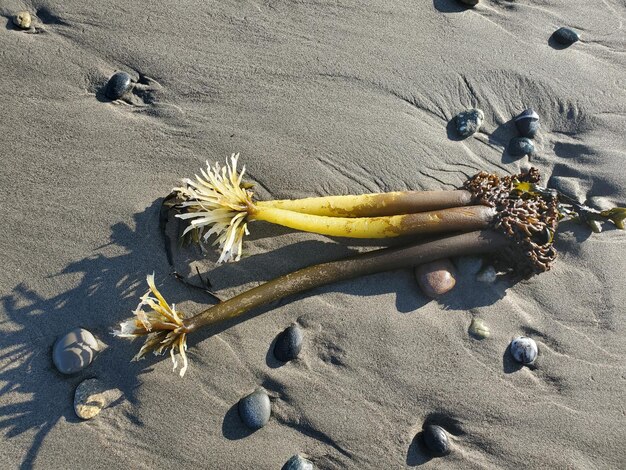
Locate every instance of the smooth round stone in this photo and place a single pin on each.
(479, 329)
(527, 123)
(288, 344)
(488, 275)
(22, 20)
(436, 278)
(119, 84)
(255, 409)
(89, 399)
(468, 122)
(436, 440)
(470, 3)
(74, 351)
(524, 350)
(519, 146)
(297, 462)
(566, 36)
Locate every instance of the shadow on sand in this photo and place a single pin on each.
(106, 292)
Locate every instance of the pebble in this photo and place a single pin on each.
(297, 462)
(468, 122)
(436, 278)
(255, 409)
(89, 399)
(74, 351)
(436, 440)
(524, 350)
(566, 36)
(527, 123)
(288, 344)
(519, 146)
(119, 84)
(488, 275)
(479, 329)
(22, 20)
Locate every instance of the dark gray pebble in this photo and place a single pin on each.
(565, 36)
(468, 122)
(119, 84)
(519, 146)
(255, 409)
(527, 123)
(436, 440)
(288, 344)
(297, 462)
(74, 351)
(524, 350)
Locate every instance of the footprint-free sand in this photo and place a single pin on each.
(319, 98)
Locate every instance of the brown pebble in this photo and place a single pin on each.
(436, 278)
(91, 397)
(22, 20)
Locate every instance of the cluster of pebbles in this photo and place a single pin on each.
(73, 352)
(468, 122)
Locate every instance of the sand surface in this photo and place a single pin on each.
(319, 97)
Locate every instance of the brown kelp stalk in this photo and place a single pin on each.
(165, 328)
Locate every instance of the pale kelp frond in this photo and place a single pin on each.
(160, 323)
(217, 202)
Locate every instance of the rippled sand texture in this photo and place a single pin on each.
(320, 97)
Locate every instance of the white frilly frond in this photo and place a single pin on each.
(160, 323)
(217, 203)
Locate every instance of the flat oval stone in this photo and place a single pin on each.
(527, 123)
(436, 278)
(255, 409)
(566, 36)
(288, 344)
(119, 84)
(89, 399)
(519, 146)
(436, 440)
(22, 20)
(479, 329)
(469, 121)
(524, 350)
(74, 351)
(297, 462)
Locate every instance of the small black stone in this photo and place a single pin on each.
(527, 123)
(255, 409)
(297, 462)
(519, 146)
(436, 440)
(468, 122)
(119, 84)
(288, 344)
(565, 36)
